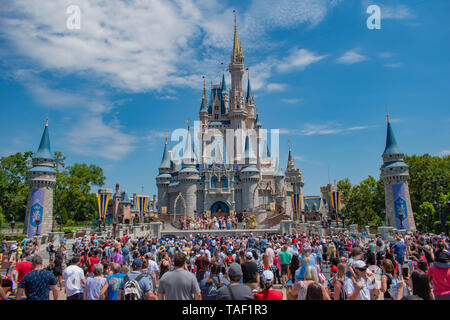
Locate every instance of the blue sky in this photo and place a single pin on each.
(133, 71)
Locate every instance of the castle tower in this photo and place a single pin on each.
(188, 176)
(295, 180)
(236, 68)
(326, 191)
(279, 182)
(163, 179)
(249, 176)
(395, 174)
(42, 179)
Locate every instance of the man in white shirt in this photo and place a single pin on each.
(74, 280)
(153, 268)
(357, 289)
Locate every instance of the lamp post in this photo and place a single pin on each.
(99, 225)
(58, 220)
(400, 216)
(37, 226)
(13, 225)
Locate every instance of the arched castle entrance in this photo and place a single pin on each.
(220, 206)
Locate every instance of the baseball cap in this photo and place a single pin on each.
(235, 270)
(359, 264)
(267, 276)
(333, 269)
(249, 255)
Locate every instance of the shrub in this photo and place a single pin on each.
(68, 229)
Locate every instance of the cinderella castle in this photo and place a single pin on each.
(238, 179)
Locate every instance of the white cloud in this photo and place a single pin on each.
(298, 59)
(93, 137)
(323, 129)
(444, 153)
(272, 87)
(290, 101)
(138, 46)
(142, 45)
(312, 129)
(351, 57)
(386, 54)
(358, 128)
(396, 12)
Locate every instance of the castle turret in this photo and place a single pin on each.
(42, 179)
(295, 182)
(395, 174)
(188, 176)
(250, 177)
(163, 179)
(237, 108)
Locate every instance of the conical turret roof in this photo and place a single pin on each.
(391, 143)
(44, 150)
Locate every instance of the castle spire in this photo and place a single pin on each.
(249, 88)
(203, 107)
(44, 150)
(235, 41)
(224, 85)
(391, 143)
(165, 162)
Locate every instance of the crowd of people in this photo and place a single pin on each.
(209, 223)
(246, 267)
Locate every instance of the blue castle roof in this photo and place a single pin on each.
(391, 143)
(166, 162)
(44, 150)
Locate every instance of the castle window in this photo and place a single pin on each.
(217, 107)
(216, 116)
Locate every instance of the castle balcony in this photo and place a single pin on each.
(217, 191)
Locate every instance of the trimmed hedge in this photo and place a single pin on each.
(12, 237)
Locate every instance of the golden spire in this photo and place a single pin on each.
(204, 90)
(235, 42)
(240, 49)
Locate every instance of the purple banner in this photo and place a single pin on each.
(36, 212)
(400, 209)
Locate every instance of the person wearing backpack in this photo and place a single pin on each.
(135, 285)
(210, 286)
(235, 290)
(388, 280)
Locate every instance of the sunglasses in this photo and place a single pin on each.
(362, 269)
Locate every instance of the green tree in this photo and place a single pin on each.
(73, 190)
(423, 170)
(363, 203)
(13, 187)
(426, 209)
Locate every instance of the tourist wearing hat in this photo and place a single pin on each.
(357, 288)
(250, 275)
(268, 293)
(439, 273)
(235, 290)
